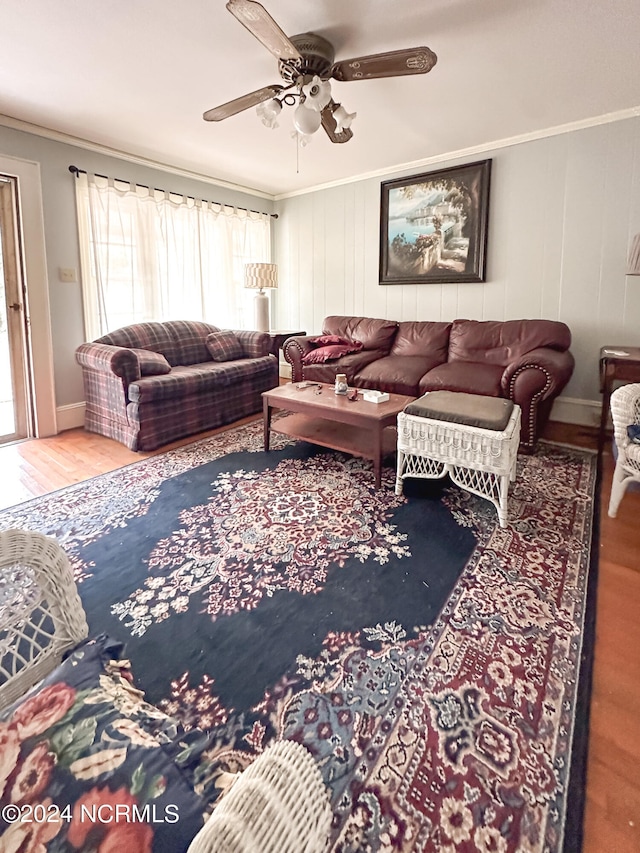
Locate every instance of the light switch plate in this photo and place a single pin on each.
(67, 274)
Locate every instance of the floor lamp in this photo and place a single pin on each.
(258, 277)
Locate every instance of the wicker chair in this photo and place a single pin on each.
(279, 804)
(625, 410)
(41, 616)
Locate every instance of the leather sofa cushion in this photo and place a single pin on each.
(426, 339)
(460, 376)
(456, 408)
(373, 334)
(495, 342)
(396, 373)
(350, 365)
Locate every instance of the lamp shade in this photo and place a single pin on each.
(633, 266)
(259, 276)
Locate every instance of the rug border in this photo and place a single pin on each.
(575, 806)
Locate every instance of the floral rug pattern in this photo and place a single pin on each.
(252, 537)
(427, 658)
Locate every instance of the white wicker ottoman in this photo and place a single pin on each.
(478, 459)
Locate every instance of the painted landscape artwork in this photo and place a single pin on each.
(434, 226)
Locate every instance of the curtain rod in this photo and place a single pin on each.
(76, 171)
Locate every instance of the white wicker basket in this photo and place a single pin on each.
(41, 616)
(482, 461)
(279, 804)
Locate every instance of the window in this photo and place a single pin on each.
(150, 255)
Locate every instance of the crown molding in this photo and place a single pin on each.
(473, 151)
(78, 142)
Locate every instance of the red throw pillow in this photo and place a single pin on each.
(317, 356)
(327, 340)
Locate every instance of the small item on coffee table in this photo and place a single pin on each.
(341, 383)
(375, 396)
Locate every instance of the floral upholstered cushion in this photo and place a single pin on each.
(224, 346)
(152, 363)
(87, 764)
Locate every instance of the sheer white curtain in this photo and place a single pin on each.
(150, 255)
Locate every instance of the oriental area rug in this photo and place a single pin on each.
(435, 665)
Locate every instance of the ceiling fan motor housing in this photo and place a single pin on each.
(317, 58)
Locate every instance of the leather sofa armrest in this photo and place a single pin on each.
(119, 361)
(255, 344)
(294, 350)
(542, 373)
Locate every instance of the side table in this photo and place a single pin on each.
(279, 336)
(616, 362)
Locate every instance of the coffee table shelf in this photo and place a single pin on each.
(335, 436)
(329, 420)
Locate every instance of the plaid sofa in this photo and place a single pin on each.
(195, 394)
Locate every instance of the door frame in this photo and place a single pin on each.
(14, 297)
(34, 265)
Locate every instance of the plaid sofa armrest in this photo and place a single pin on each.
(105, 358)
(254, 344)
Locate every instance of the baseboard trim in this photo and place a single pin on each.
(567, 410)
(70, 417)
(570, 410)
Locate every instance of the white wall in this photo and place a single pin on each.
(61, 239)
(563, 211)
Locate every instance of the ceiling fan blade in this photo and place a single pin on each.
(243, 103)
(329, 124)
(261, 25)
(394, 63)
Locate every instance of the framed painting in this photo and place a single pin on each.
(433, 227)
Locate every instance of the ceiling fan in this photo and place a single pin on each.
(306, 65)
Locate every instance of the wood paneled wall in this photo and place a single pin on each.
(563, 210)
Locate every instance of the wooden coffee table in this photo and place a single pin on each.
(332, 420)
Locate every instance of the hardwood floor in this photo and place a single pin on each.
(612, 819)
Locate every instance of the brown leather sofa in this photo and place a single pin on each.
(527, 361)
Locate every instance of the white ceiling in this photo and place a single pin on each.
(136, 76)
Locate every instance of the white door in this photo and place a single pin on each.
(15, 408)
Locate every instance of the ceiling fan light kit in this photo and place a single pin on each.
(317, 94)
(306, 64)
(343, 118)
(268, 112)
(306, 120)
